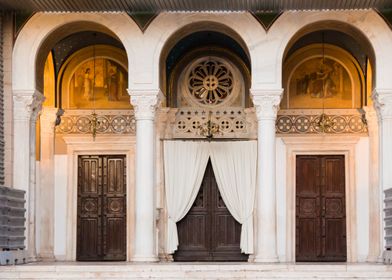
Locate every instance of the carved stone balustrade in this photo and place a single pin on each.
(234, 122)
(342, 121)
(108, 122)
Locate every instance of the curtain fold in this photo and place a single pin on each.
(234, 165)
(185, 164)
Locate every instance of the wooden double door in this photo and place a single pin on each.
(209, 232)
(320, 208)
(101, 223)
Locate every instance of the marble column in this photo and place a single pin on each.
(266, 103)
(383, 103)
(145, 104)
(45, 191)
(26, 107)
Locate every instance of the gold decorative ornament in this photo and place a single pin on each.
(209, 128)
(323, 122)
(94, 124)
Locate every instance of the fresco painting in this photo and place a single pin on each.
(320, 82)
(107, 90)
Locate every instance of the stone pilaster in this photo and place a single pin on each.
(375, 194)
(26, 107)
(266, 103)
(45, 192)
(145, 104)
(383, 103)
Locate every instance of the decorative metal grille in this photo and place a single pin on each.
(210, 82)
(79, 122)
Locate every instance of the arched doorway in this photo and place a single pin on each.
(207, 77)
(326, 76)
(91, 89)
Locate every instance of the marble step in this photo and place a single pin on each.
(117, 271)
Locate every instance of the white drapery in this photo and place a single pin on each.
(234, 165)
(185, 164)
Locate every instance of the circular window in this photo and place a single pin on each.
(210, 82)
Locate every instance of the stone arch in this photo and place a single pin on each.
(49, 28)
(31, 48)
(368, 25)
(168, 27)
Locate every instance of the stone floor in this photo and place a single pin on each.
(117, 271)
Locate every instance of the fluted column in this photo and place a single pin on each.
(145, 104)
(26, 107)
(383, 103)
(266, 103)
(45, 192)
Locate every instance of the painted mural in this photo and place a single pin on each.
(320, 82)
(99, 84)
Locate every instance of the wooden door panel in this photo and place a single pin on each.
(308, 208)
(115, 239)
(192, 232)
(335, 241)
(226, 229)
(101, 208)
(308, 176)
(307, 244)
(334, 176)
(89, 236)
(320, 208)
(116, 175)
(89, 169)
(89, 243)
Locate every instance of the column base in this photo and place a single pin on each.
(144, 259)
(266, 259)
(48, 257)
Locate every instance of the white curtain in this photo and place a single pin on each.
(234, 165)
(185, 164)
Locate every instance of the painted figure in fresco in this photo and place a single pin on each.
(324, 78)
(318, 84)
(112, 83)
(303, 84)
(87, 85)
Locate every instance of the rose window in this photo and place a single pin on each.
(210, 82)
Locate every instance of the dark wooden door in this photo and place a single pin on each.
(101, 225)
(209, 232)
(320, 208)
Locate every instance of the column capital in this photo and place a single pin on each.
(145, 103)
(266, 102)
(27, 104)
(382, 99)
